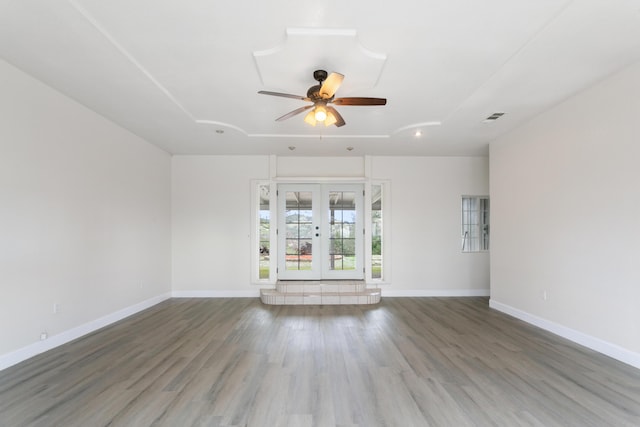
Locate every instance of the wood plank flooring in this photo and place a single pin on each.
(236, 362)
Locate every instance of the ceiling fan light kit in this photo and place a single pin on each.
(320, 113)
(321, 95)
(310, 118)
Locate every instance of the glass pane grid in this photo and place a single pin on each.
(376, 232)
(475, 224)
(299, 231)
(264, 232)
(342, 223)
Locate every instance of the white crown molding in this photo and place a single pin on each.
(612, 350)
(417, 126)
(222, 124)
(15, 357)
(129, 56)
(144, 71)
(315, 136)
(301, 45)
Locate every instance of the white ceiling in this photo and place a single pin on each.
(185, 74)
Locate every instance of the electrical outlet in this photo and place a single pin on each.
(43, 336)
(56, 308)
(545, 295)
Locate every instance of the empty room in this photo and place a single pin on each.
(413, 213)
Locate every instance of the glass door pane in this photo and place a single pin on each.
(298, 232)
(342, 225)
(343, 232)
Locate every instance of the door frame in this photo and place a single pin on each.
(265, 190)
(321, 235)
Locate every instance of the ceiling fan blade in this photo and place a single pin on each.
(339, 120)
(284, 95)
(360, 101)
(331, 85)
(294, 112)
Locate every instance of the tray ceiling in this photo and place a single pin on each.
(184, 75)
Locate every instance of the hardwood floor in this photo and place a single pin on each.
(237, 362)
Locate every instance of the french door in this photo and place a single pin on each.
(320, 234)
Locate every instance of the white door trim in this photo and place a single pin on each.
(321, 233)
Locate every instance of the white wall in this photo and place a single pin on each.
(84, 215)
(565, 194)
(425, 224)
(212, 223)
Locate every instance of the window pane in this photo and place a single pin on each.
(342, 216)
(264, 232)
(475, 224)
(376, 231)
(299, 230)
(349, 216)
(349, 231)
(348, 246)
(335, 246)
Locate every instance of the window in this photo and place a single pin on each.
(264, 233)
(475, 224)
(376, 231)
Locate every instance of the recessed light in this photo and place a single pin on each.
(349, 148)
(220, 131)
(291, 147)
(418, 133)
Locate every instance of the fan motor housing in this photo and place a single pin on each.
(320, 75)
(314, 91)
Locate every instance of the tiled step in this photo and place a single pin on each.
(320, 286)
(314, 292)
(273, 297)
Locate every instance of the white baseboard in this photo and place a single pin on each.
(434, 292)
(15, 357)
(385, 293)
(612, 350)
(217, 294)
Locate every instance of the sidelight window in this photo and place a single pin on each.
(264, 233)
(376, 231)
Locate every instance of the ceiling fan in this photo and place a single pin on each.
(321, 95)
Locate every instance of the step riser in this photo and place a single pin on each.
(338, 292)
(319, 299)
(320, 288)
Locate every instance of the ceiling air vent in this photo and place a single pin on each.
(492, 118)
